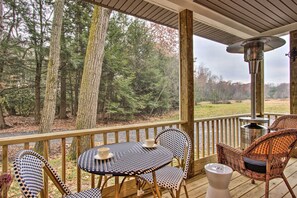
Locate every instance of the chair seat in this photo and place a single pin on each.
(167, 177)
(94, 192)
(255, 165)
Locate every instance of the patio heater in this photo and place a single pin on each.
(253, 50)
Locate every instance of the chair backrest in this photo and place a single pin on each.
(275, 146)
(28, 167)
(284, 122)
(179, 143)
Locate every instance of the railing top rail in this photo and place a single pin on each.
(76, 133)
(220, 117)
(275, 114)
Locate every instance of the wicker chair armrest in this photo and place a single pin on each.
(230, 156)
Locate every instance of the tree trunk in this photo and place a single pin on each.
(63, 76)
(37, 91)
(76, 91)
(39, 57)
(63, 103)
(63, 99)
(89, 90)
(1, 19)
(3, 125)
(2, 121)
(71, 94)
(48, 113)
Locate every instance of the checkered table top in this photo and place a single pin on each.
(129, 158)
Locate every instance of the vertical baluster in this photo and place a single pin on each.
(221, 130)
(217, 131)
(63, 152)
(78, 171)
(127, 136)
(137, 135)
(236, 132)
(5, 164)
(233, 131)
(203, 139)
(104, 138)
(229, 131)
(268, 119)
(155, 131)
(146, 133)
(116, 137)
(45, 178)
(197, 140)
(240, 124)
(226, 131)
(213, 136)
(208, 138)
(92, 145)
(27, 146)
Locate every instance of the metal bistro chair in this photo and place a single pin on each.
(284, 122)
(28, 167)
(171, 177)
(265, 159)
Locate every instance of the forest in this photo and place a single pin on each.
(139, 74)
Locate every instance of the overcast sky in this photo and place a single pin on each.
(232, 66)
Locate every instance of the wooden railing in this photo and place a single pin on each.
(208, 132)
(226, 129)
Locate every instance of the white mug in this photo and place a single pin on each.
(103, 152)
(149, 142)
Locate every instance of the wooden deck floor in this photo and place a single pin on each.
(241, 186)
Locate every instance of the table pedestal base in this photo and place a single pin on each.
(217, 193)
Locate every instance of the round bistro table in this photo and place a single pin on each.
(129, 159)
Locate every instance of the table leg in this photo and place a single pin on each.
(100, 182)
(117, 187)
(156, 185)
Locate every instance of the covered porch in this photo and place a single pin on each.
(225, 23)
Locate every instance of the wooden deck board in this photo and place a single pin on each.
(241, 186)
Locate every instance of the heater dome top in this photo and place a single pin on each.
(270, 43)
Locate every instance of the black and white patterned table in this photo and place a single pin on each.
(129, 159)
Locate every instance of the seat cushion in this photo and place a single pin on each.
(94, 192)
(167, 177)
(255, 165)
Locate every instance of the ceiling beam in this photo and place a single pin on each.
(281, 31)
(208, 17)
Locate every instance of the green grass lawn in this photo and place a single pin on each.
(206, 109)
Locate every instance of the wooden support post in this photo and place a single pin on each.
(260, 90)
(293, 75)
(293, 81)
(187, 77)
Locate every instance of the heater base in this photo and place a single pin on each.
(251, 131)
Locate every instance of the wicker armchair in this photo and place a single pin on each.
(284, 122)
(265, 159)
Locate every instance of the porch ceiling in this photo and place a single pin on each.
(224, 21)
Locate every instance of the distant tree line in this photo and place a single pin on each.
(209, 87)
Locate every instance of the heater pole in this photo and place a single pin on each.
(253, 96)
